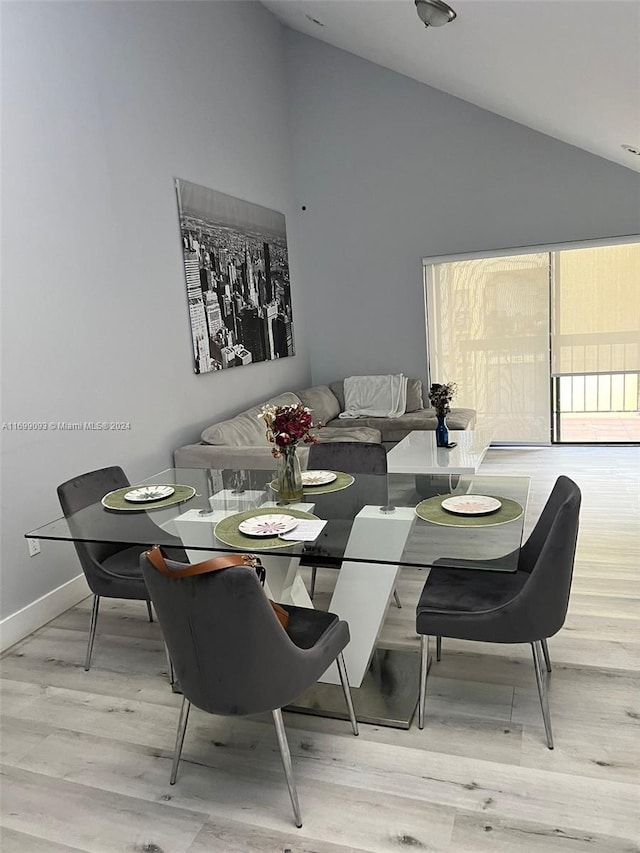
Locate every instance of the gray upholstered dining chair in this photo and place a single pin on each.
(232, 656)
(525, 606)
(112, 570)
(351, 457)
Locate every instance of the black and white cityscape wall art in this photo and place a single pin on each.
(237, 278)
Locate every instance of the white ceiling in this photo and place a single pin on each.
(568, 68)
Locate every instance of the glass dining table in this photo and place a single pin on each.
(374, 526)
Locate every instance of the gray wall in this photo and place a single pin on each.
(391, 171)
(103, 104)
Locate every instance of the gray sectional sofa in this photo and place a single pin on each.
(240, 442)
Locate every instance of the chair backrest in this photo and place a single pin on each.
(548, 556)
(79, 493)
(89, 488)
(353, 457)
(563, 490)
(230, 653)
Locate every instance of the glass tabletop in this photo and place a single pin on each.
(386, 519)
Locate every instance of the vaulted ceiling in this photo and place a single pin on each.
(568, 68)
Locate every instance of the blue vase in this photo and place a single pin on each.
(442, 431)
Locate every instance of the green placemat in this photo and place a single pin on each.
(342, 481)
(115, 500)
(226, 530)
(431, 510)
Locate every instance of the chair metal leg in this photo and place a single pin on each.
(342, 669)
(285, 755)
(92, 632)
(545, 652)
(424, 670)
(182, 730)
(149, 611)
(396, 598)
(312, 591)
(172, 674)
(542, 691)
(438, 649)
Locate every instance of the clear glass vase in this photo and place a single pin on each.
(289, 476)
(442, 431)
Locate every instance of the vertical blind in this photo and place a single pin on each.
(596, 310)
(488, 331)
(502, 326)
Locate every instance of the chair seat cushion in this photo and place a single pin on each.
(126, 562)
(306, 625)
(465, 603)
(124, 575)
(453, 590)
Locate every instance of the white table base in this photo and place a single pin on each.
(363, 590)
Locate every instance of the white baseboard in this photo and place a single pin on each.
(23, 622)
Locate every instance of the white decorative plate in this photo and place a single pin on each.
(267, 525)
(143, 494)
(471, 504)
(318, 478)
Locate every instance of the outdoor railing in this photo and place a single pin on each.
(598, 392)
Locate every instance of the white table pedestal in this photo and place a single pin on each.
(363, 590)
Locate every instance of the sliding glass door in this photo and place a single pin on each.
(544, 345)
(488, 331)
(595, 343)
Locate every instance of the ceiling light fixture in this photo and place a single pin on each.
(434, 13)
(632, 149)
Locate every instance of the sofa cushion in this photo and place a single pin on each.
(337, 388)
(322, 402)
(247, 428)
(395, 429)
(349, 432)
(461, 418)
(414, 396)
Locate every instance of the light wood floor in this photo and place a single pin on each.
(86, 756)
